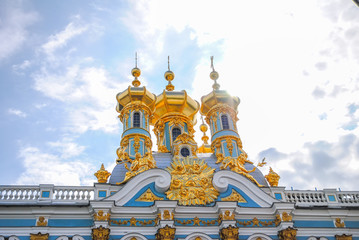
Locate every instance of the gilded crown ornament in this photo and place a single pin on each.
(39, 236)
(272, 178)
(166, 233)
(100, 233)
(136, 72)
(169, 76)
(229, 233)
(102, 174)
(214, 76)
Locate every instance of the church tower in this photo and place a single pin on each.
(173, 119)
(136, 106)
(220, 110)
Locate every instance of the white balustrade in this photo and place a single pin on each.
(14, 194)
(348, 198)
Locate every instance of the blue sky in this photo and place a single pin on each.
(294, 64)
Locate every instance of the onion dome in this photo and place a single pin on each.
(175, 102)
(217, 97)
(135, 94)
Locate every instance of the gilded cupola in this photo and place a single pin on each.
(135, 105)
(174, 114)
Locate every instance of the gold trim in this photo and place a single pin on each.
(148, 196)
(234, 196)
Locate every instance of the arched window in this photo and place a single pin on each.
(175, 133)
(225, 124)
(136, 119)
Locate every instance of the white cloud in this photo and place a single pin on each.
(42, 168)
(88, 95)
(14, 22)
(67, 148)
(17, 112)
(60, 39)
(18, 68)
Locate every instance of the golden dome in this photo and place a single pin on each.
(135, 94)
(218, 97)
(169, 102)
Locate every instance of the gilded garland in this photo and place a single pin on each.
(191, 182)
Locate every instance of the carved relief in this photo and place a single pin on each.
(102, 174)
(41, 222)
(339, 223)
(100, 233)
(343, 237)
(148, 196)
(235, 196)
(166, 233)
(288, 234)
(100, 216)
(39, 236)
(229, 233)
(286, 217)
(191, 182)
(167, 215)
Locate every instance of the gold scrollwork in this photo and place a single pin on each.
(197, 222)
(255, 222)
(191, 182)
(343, 237)
(134, 222)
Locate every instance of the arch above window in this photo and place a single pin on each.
(225, 122)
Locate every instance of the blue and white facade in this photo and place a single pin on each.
(139, 202)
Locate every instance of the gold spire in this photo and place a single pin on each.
(169, 76)
(136, 72)
(214, 76)
(102, 174)
(203, 127)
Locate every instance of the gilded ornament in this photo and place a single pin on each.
(102, 174)
(100, 216)
(198, 238)
(166, 233)
(133, 221)
(234, 197)
(167, 215)
(272, 178)
(136, 144)
(277, 220)
(339, 223)
(229, 146)
(41, 222)
(148, 196)
(229, 233)
(286, 217)
(236, 165)
(288, 234)
(100, 233)
(343, 237)
(197, 222)
(191, 182)
(227, 215)
(255, 222)
(39, 236)
(133, 238)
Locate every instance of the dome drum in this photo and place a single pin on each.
(217, 97)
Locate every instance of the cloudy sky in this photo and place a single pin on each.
(294, 65)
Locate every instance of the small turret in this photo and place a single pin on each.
(136, 106)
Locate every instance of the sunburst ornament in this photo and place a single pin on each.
(191, 182)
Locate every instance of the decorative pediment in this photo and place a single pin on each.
(156, 180)
(232, 185)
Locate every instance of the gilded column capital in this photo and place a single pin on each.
(39, 236)
(343, 237)
(166, 233)
(288, 234)
(100, 233)
(229, 233)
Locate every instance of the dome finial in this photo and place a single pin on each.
(169, 76)
(203, 127)
(214, 76)
(136, 72)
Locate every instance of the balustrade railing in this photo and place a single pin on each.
(52, 193)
